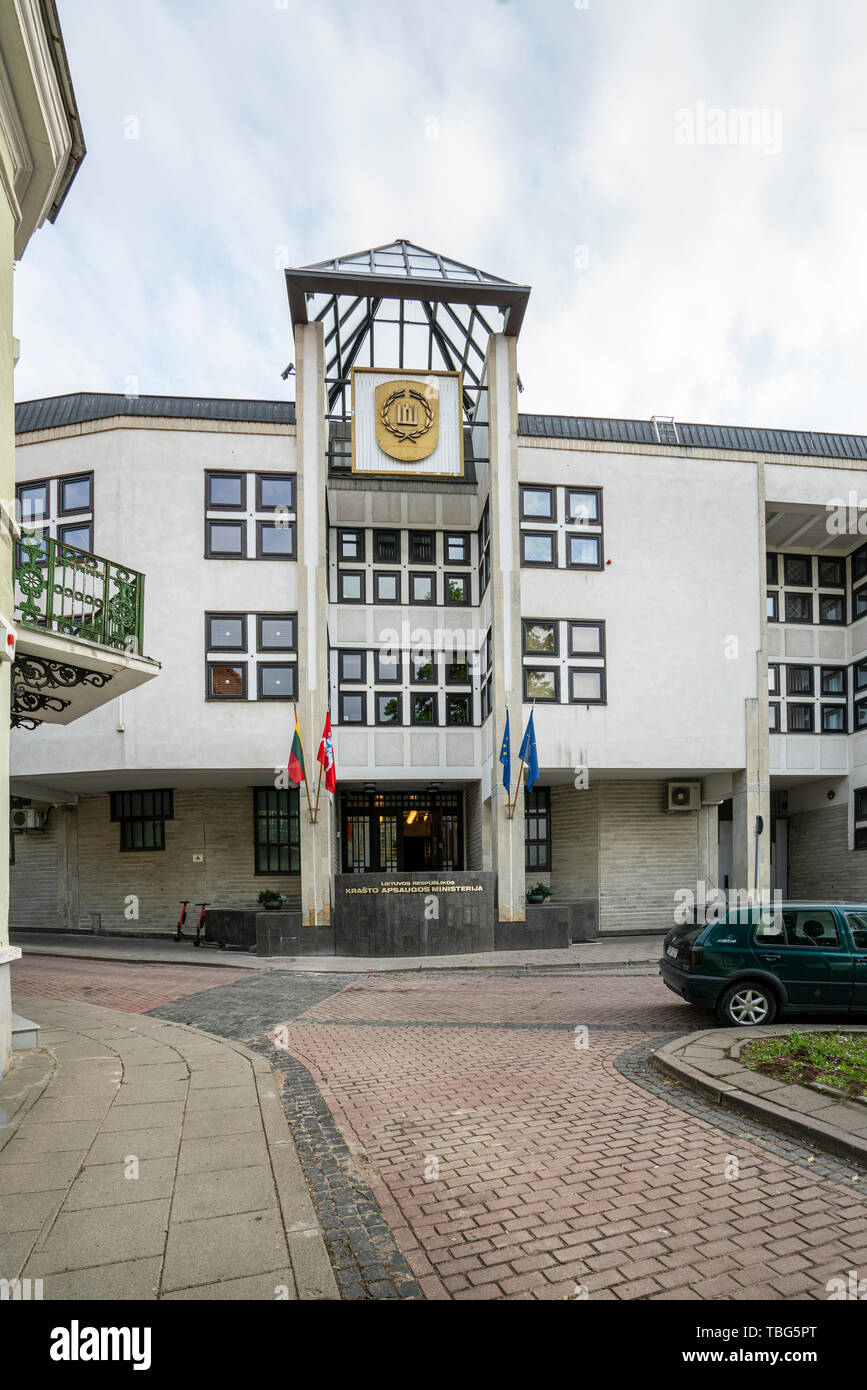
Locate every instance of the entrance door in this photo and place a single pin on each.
(413, 832)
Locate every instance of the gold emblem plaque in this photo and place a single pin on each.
(407, 419)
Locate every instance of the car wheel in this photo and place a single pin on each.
(746, 1005)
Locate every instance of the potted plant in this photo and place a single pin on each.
(270, 899)
(538, 893)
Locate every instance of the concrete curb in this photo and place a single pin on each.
(724, 1090)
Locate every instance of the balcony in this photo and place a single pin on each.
(80, 621)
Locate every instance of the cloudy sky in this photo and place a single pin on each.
(680, 181)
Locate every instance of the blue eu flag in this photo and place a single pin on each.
(528, 753)
(506, 755)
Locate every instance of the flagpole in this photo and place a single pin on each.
(318, 785)
(306, 784)
(521, 773)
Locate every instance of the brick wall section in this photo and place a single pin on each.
(645, 855)
(34, 889)
(216, 822)
(821, 865)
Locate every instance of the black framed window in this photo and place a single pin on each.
(32, 502)
(457, 588)
(798, 569)
(422, 547)
(801, 718)
(773, 608)
(422, 588)
(226, 632)
(388, 707)
(352, 707)
(458, 672)
(832, 574)
(484, 540)
(861, 714)
(540, 636)
(386, 586)
(860, 675)
(227, 681)
(859, 602)
(586, 638)
(351, 666)
(142, 817)
(275, 540)
(226, 540)
(422, 668)
(278, 680)
(538, 503)
(75, 494)
(386, 547)
(350, 586)
(456, 548)
(861, 803)
(275, 490)
(833, 680)
(773, 678)
(584, 506)
(276, 830)
(389, 667)
(771, 567)
(583, 552)
(773, 718)
(586, 685)
(538, 548)
(537, 828)
(799, 680)
(226, 491)
(859, 563)
(832, 608)
(861, 837)
(276, 632)
(424, 708)
(350, 545)
(459, 708)
(541, 683)
(79, 535)
(833, 719)
(799, 608)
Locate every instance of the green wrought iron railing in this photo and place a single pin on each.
(77, 594)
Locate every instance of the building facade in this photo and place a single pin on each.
(683, 609)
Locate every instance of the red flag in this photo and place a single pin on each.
(326, 756)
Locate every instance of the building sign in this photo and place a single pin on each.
(429, 885)
(407, 424)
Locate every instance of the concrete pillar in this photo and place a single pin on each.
(708, 845)
(507, 835)
(317, 840)
(751, 798)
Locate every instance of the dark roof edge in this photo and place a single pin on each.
(745, 439)
(55, 412)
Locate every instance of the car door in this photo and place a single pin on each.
(856, 921)
(811, 956)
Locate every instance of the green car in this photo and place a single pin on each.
(795, 958)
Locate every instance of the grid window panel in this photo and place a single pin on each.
(541, 636)
(389, 666)
(587, 639)
(226, 490)
(276, 632)
(457, 588)
(773, 718)
(350, 586)
(79, 536)
(586, 685)
(424, 709)
(538, 503)
(386, 587)
(350, 545)
(388, 707)
(584, 552)
(459, 709)
(799, 680)
(833, 719)
(275, 490)
(583, 506)
(276, 830)
(76, 494)
(351, 666)
(277, 680)
(832, 608)
(227, 632)
(541, 683)
(386, 547)
(422, 588)
(353, 707)
(771, 568)
(275, 540)
(422, 547)
(799, 608)
(538, 548)
(537, 829)
(227, 682)
(833, 680)
(832, 573)
(773, 607)
(423, 670)
(32, 502)
(798, 569)
(801, 718)
(457, 548)
(227, 540)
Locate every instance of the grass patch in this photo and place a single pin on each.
(830, 1059)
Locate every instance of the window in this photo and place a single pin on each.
(833, 680)
(32, 502)
(350, 545)
(386, 547)
(538, 548)
(275, 490)
(861, 675)
(861, 715)
(586, 685)
(226, 490)
(421, 547)
(276, 632)
(422, 588)
(773, 608)
(799, 680)
(227, 682)
(350, 586)
(833, 719)
(773, 678)
(541, 683)
(832, 574)
(457, 548)
(861, 803)
(226, 540)
(832, 608)
(771, 568)
(587, 639)
(142, 817)
(422, 668)
(352, 707)
(583, 552)
(351, 666)
(537, 828)
(541, 635)
(808, 928)
(584, 506)
(801, 718)
(389, 667)
(538, 503)
(275, 540)
(798, 569)
(80, 536)
(773, 718)
(277, 680)
(276, 830)
(459, 709)
(388, 708)
(386, 586)
(424, 709)
(860, 602)
(75, 494)
(799, 608)
(457, 588)
(484, 538)
(859, 564)
(226, 632)
(457, 673)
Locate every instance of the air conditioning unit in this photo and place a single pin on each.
(683, 796)
(27, 818)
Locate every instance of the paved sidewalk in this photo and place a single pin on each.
(613, 950)
(142, 1159)
(710, 1061)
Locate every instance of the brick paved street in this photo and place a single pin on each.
(473, 1138)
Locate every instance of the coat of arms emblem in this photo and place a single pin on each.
(407, 419)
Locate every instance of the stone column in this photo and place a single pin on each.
(317, 840)
(751, 798)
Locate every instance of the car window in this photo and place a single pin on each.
(858, 927)
(811, 928)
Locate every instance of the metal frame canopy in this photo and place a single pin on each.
(403, 306)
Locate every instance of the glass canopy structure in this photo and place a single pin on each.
(405, 307)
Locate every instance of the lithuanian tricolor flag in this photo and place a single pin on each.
(296, 757)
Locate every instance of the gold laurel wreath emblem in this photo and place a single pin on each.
(406, 436)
